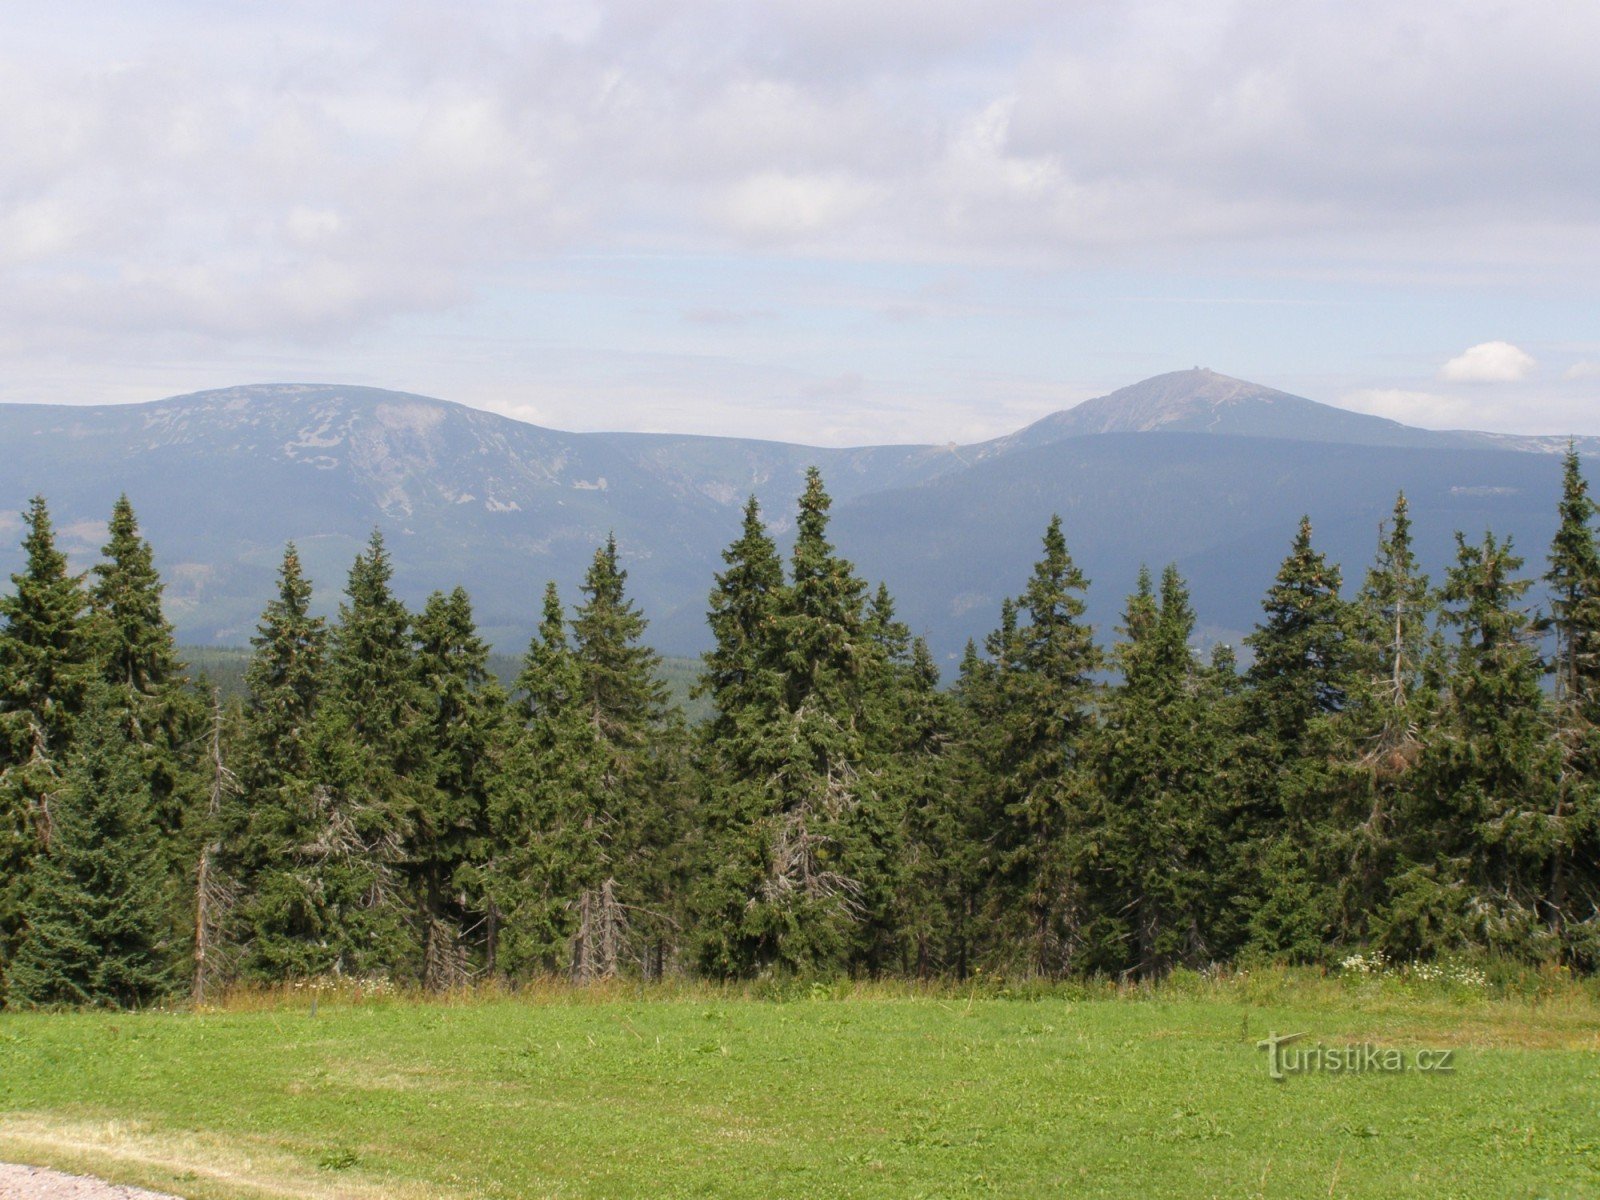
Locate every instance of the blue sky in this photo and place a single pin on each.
(807, 219)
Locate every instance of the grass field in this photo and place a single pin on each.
(829, 1092)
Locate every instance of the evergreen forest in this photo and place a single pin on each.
(1398, 764)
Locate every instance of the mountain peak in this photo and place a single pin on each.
(1201, 400)
(1193, 400)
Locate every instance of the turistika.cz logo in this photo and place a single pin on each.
(1285, 1058)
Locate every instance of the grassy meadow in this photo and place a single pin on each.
(821, 1090)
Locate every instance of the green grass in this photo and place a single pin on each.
(840, 1092)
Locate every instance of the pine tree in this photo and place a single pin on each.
(1305, 659)
(1375, 741)
(547, 845)
(1573, 899)
(936, 878)
(138, 661)
(331, 893)
(1151, 856)
(735, 753)
(96, 932)
(373, 777)
(265, 825)
(1043, 716)
(1574, 583)
(46, 665)
(799, 818)
(1482, 833)
(465, 711)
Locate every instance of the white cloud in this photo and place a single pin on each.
(1582, 370)
(1489, 362)
(782, 206)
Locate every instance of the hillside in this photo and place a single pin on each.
(1192, 466)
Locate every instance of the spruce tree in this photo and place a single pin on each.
(800, 821)
(735, 755)
(1573, 580)
(1305, 660)
(333, 892)
(138, 661)
(465, 711)
(1043, 716)
(1151, 855)
(46, 665)
(373, 777)
(265, 824)
(548, 845)
(1574, 586)
(1482, 834)
(97, 933)
(642, 808)
(1374, 741)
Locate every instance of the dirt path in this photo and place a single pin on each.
(36, 1183)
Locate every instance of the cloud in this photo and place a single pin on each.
(1582, 370)
(1489, 362)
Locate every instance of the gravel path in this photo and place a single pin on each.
(35, 1183)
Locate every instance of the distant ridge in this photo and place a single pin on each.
(221, 479)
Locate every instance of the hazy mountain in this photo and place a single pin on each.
(1202, 401)
(1193, 466)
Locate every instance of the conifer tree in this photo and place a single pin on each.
(1483, 834)
(1374, 741)
(548, 846)
(1151, 856)
(46, 665)
(1303, 648)
(1305, 658)
(96, 932)
(1573, 899)
(334, 895)
(1574, 583)
(1043, 694)
(924, 773)
(285, 678)
(138, 661)
(374, 775)
(744, 606)
(736, 754)
(265, 823)
(800, 820)
(464, 711)
(642, 806)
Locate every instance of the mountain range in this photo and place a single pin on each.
(1191, 467)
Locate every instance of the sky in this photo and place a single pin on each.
(829, 221)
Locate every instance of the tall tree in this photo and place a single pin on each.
(97, 933)
(801, 817)
(465, 713)
(46, 665)
(265, 824)
(1305, 657)
(1151, 857)
(1482, 832)
(374, 775)
(1044, 692)
(138, 661)
(1573, 580)
(639, 810)
(1574, 585)
(548, 848)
